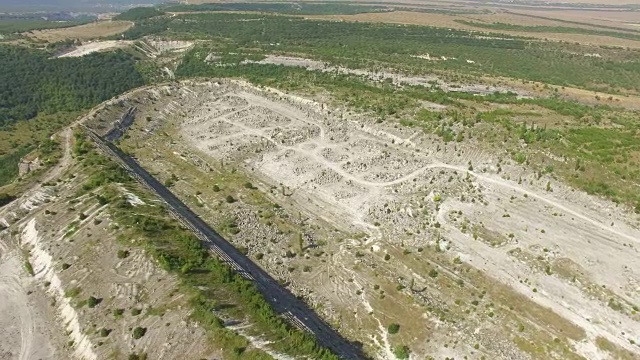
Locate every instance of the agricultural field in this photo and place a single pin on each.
(453, 181)
(82, 32)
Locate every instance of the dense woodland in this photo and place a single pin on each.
(31, 83)
(139, 13)
(37, 88)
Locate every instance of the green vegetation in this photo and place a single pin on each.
(366, 45)
(73, 292)
(402, 352)
(393, 329)
(13, 26)
(203, 277)
(28, 268)
(282, 8)
(139, 13)
(31, 83)
(9, 164)
(548, 29)
(49, 93)
(139, 332)
(93, 301)
(5, 199)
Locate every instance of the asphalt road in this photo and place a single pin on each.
(281, 299)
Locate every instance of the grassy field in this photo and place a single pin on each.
(8, 26)
(556, 32)
(82, 32)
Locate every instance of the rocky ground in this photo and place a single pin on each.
(458, 245)
(73, 285)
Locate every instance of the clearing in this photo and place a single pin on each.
(83, 32)
(545, 259)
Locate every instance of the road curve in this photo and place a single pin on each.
(281, 299)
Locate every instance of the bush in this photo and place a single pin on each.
(139, 332)
(65, 266)
(123, 254)
(393, 328)
(28, 268)
(5, 199)
(92, 301)
(104, 332)
(134, 356)
(402, 352)
(135, 311)
(229, 199)
(118, 312)
(73, 292)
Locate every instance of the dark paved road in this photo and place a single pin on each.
(281, 299)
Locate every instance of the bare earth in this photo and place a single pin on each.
(83, 32)
(448, 21)
(562, 262)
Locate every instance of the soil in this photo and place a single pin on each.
(405, 190)
(83, 32)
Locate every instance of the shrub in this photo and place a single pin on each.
(134, 356)
(387, 257)
(229, 199)
(92, 301)
(65, 266)
(393, 329)
(73, 292)
(104, 332)
(402, 352)
(123, 254)
(139, 332)
(28, 268)
(118, 312)
(135, 311)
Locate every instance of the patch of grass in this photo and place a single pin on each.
(402, 352)
(548, 29)
(73, 292)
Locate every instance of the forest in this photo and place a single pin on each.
(139, 13)
(31, 83)
(48, 92)
(282, 8)
(498, 26)
(366, 45)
